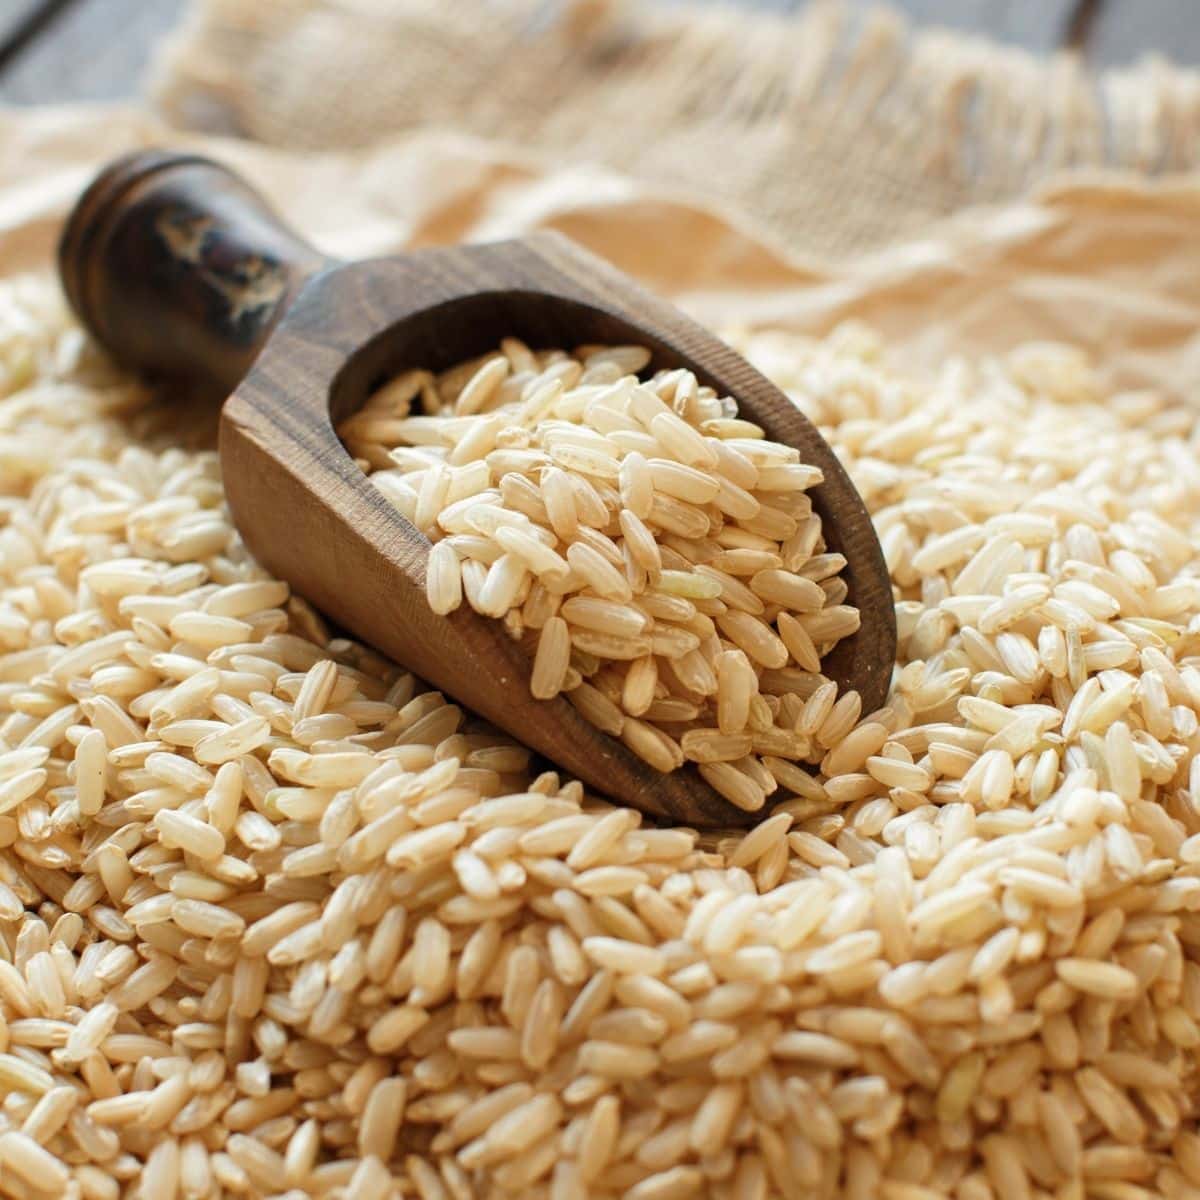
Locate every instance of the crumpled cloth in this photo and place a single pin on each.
(1110, 263)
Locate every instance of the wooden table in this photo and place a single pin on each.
(69, 50)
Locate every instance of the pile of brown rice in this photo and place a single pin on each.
(656, 555)
(276, 922)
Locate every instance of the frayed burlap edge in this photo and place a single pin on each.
(837, 131)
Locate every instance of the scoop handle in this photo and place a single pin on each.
(178, 267)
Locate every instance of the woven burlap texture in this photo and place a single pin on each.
(837, 131)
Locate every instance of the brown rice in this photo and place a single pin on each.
(396, 961)
(631, 534)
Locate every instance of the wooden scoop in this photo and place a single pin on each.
(179, 268)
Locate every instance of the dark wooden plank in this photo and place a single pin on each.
(88, 50)
(23, 20)
(65, 50)
(16, 13)
(1122, 31)
(1037, 25)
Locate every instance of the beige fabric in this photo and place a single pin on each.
(838, 132)
(1111, 265)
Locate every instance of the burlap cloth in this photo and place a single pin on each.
(836, 130)
(730, 162)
